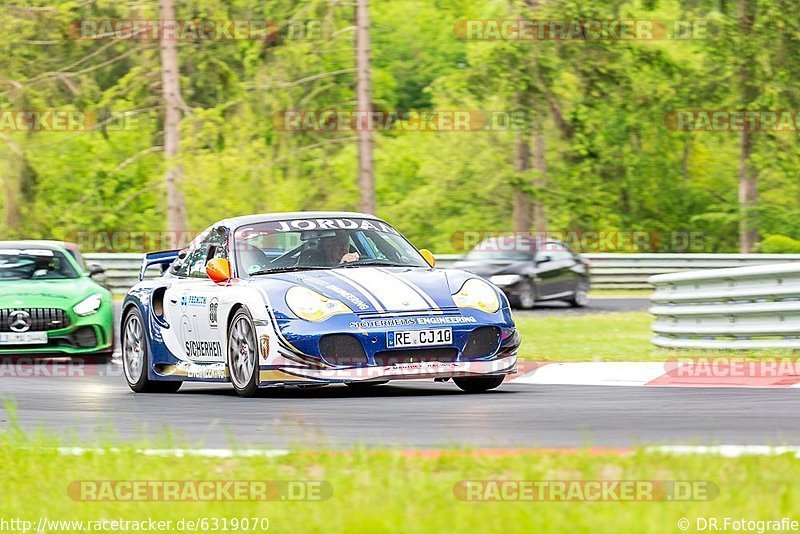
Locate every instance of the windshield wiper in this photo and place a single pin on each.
(382, 263)
(288, 269)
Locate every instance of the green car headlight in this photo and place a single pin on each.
(505, 279)
(477, 294)
(312, 306)
(89, 305)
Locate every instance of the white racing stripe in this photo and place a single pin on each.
(392, 291)
(369, 296)
(431, 303)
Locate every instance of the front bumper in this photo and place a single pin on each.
(482, 344)
(84, 336)
(401, 371)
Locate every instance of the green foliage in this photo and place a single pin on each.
(613, 163)
(779, 244)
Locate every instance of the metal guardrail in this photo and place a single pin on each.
(122, 270)
(609, 271)
(755, 307)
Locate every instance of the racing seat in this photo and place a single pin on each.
(253, 259)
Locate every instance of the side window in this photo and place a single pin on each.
(181, 267)
(215, 245)
(197, 261)
(558, 252)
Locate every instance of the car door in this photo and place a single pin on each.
(564, 266)
(546, 273)
(192, 304)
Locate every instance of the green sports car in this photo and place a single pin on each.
(50, 304)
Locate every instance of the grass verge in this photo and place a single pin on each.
(623, 336)
(394, 491)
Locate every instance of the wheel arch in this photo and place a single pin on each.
(236, 307)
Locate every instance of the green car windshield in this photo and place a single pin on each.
(35, 264)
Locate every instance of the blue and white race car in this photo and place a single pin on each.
(307, 299)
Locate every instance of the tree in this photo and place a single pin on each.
(748, 192)
(176, 206)
(366, 176)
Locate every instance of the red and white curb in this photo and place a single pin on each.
(711, 373)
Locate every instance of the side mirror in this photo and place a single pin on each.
(219, 270)
(428, 255)
(95, 269)
(544, 258)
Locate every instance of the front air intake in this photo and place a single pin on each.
(342, 350)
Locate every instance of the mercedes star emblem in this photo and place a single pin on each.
(19, 321)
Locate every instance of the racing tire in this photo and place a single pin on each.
(243, 354)
(527, 300)
(136, 358)
(580, 298)
(479, 384)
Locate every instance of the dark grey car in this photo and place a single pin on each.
(540, 271)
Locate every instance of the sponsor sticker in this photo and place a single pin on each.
(203, 349)
(213, 312)
(193, 300)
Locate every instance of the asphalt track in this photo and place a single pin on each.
(413, 414)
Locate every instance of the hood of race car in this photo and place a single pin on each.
(378, 290)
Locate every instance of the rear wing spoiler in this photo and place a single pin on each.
(165, 257)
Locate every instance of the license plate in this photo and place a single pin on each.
(25, 338)
(420, 338)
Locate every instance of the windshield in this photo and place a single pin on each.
(502, 248)
(35, 264)
(301, 244)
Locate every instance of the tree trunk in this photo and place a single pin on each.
(366, 173)
(11, 201)
(748, 195)
(522, 203)
(176, 206)
(540, 182)
(11, 187)
(527, 212)
(748, 189)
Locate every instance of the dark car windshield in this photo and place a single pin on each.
(300, 244)
(510, 248)
(35, 264)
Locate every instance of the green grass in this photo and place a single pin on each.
(623, 336)
(392, 491)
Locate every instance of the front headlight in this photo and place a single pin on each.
(89, 305)
(505, 279)
(312, 306)
(476, 293)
